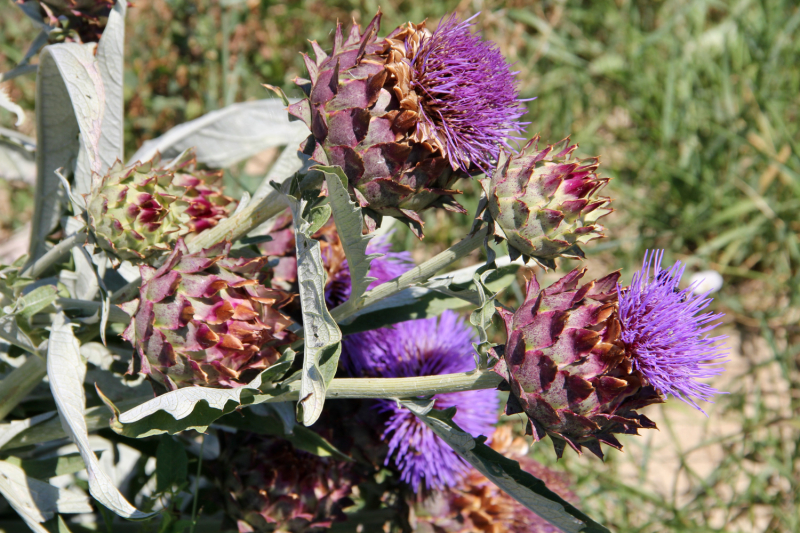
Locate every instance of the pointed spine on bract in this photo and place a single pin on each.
(390, 113)
(205, 318)
(138, 212)
(544, 203)
(569, 370)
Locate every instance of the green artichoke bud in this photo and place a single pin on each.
(139, 212)
(205, 319)
(543, 202)
(568, 368)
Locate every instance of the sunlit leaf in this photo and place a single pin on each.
(66, 371)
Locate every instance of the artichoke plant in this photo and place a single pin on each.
(206, 319)
(139, 212)
(408, 115)
(544, 203)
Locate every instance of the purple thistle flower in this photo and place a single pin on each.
(468, 93)
(667, 336)
(423, 347)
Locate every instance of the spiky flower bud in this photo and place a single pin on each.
(408, 115)
(270, 486)
(205, 319)
(544, 203)
(568, 368)
(140, 211)
(478, 505)
(580, 360)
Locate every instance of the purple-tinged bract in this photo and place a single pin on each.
(205, 318)
(544, 202)
(468, 95)
(423, 347)
(406, 116)
(568, 369)
(667, 334)
(138, 212)
(268, 485)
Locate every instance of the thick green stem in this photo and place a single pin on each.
(230, 229)
(411, 387)
(98, 417)
(115, 313)
(54, 255)
(20, 382)
(419, 274)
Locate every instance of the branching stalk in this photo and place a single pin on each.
(54, 255)
(418, 274)
(98, 417)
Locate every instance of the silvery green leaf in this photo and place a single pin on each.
(36, 300)
(11, 430)
(110, 56)
(481, 317)
(17, 156)
(318, 217)
(20, 382)
(70, 103)
(323, 340)
(11, 106)
(67, 371)
(36, 501)
(278, 419)
(105, 299)
(49, 427)
(51, 467)
(229, 135)
(86, 286)
(171, 464)
(32, 10)
(12, 334)
(24, 67)
(194, 407)
(349, 224)
(505, 473)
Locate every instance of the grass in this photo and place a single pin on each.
(694, 108)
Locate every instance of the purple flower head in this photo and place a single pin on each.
(665, 333)
(423, 347)
(468, 93)
(383, 269)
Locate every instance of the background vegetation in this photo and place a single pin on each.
(693, 106)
